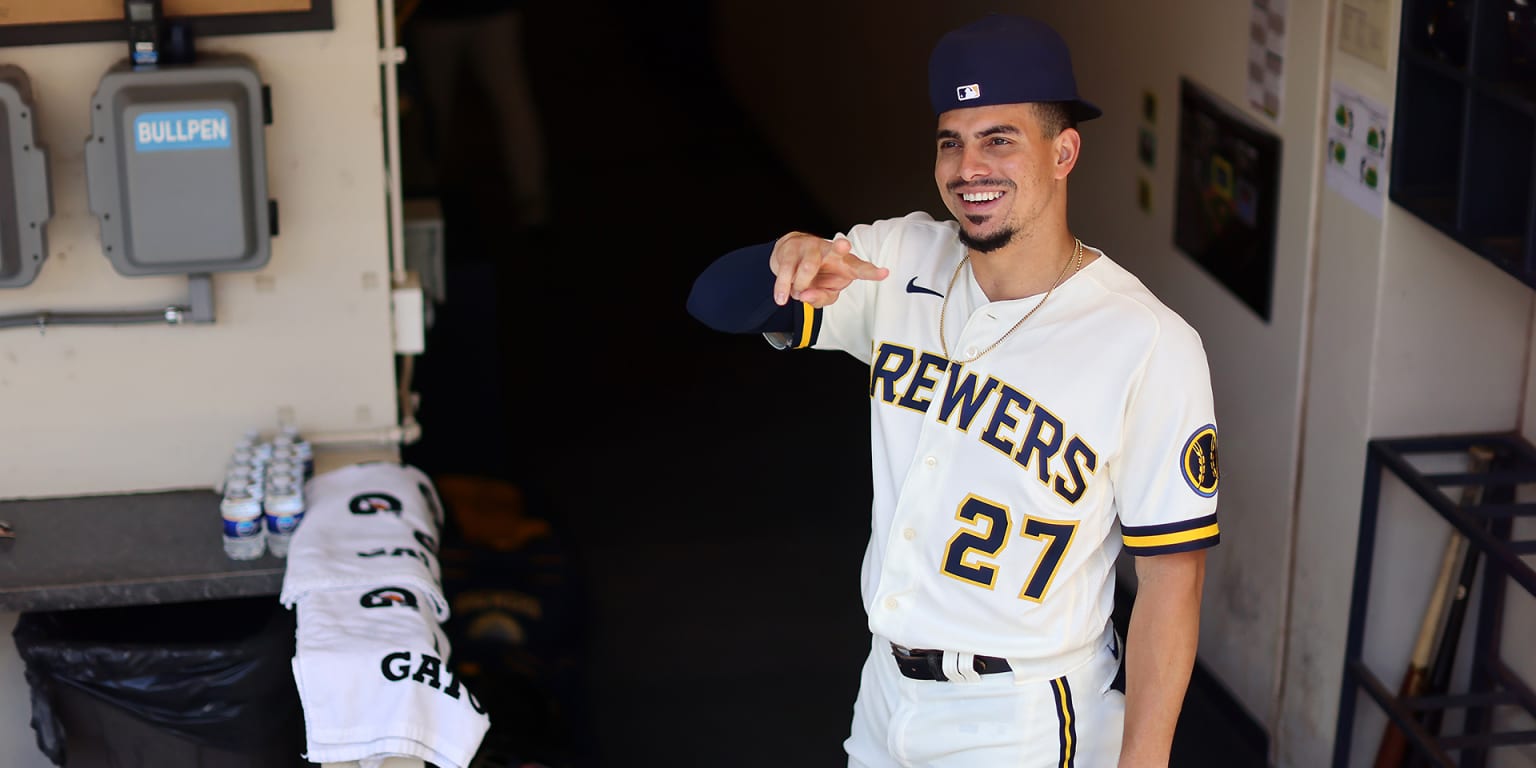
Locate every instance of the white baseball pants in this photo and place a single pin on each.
(1071, 721)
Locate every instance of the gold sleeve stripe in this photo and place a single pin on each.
(1180, 537)
(807, 325)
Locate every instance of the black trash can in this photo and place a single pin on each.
(203, 684)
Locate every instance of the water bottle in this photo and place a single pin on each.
(283, 510)
(240, 507)
(303, 452)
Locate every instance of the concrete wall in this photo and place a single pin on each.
(113, 409)
(1380, 326)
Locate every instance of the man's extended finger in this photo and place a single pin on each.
(781, 279)
(864, 270)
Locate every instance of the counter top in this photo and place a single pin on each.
(133, 549)
(94, 551)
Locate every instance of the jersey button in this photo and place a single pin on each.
(891, 604)
(970, 351)
(909, 534)
(931, 461)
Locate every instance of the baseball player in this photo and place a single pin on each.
(1034, 409)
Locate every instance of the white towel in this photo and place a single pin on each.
(367, 525)
(372, 672)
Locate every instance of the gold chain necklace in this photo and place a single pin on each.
(1077, 258)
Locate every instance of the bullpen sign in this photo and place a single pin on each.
(195, 129)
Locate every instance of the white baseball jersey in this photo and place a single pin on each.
(1005, 487)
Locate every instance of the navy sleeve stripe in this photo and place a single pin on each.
(1169, 549)
(1164, 528)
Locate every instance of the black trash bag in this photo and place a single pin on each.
(215, 673)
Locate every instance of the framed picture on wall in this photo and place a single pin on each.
(1226, 195)
(29, 22)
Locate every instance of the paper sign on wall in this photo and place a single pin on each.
(1357, 148)
(1363, 29)
(1266, 56)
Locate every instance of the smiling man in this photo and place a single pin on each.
(1034, 409)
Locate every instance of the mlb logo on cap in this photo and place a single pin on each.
(968, 92)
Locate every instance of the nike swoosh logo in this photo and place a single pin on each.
(913, 287)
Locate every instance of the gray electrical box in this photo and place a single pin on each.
(25, 205)
(177, 168)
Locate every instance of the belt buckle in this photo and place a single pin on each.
(902, 650)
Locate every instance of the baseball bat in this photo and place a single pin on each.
(1394, 744)
(1447, 606)
(1455, 601)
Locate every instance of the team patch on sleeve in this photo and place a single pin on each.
(1183, 536)
(1198, 460)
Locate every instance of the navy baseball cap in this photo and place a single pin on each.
(1003, 59)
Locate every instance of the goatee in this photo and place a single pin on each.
(988, 244)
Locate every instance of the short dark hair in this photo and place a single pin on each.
(1054, 117)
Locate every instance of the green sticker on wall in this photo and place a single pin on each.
(1146, 147)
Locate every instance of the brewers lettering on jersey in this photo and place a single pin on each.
(1034, 410)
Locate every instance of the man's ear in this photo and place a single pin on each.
(1067, 145)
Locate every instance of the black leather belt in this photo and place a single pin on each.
(923, 664)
